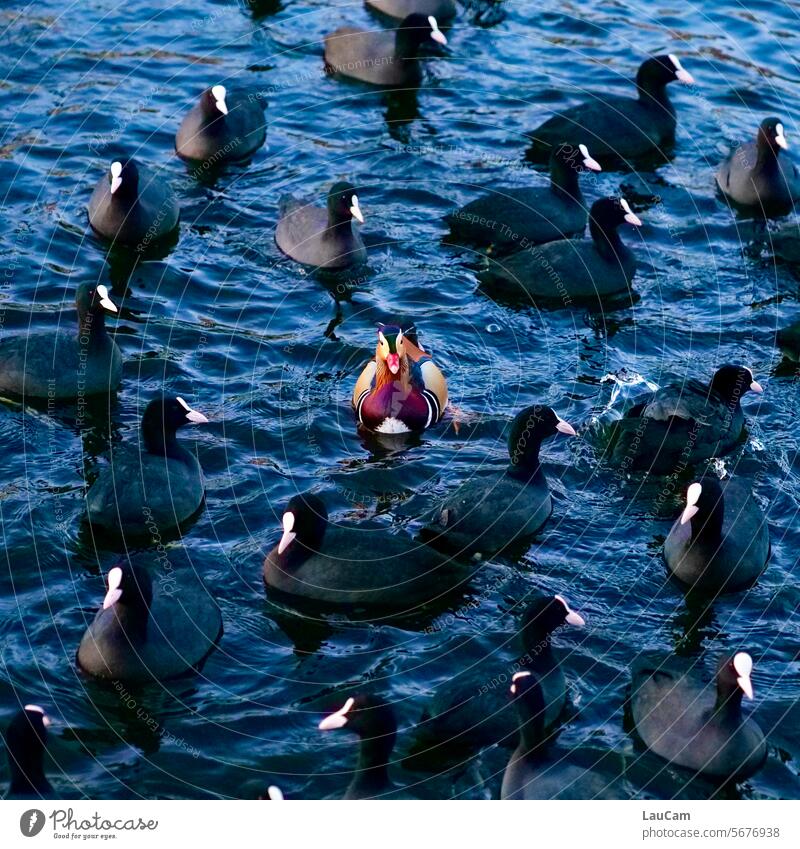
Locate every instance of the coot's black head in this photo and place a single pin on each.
(732, 381)
(366, 715)
(343, 204)
(93, 299)
(123, 178)
(544, 616)
(304, 522)
(608, 213)
(213, 102)
(129, 587)
(416, 30)
(529, 428)
(771, 134)
(576, 157)
(660, 71)
(733, 678)
(704, 503)
(26, 739)
(163, 416)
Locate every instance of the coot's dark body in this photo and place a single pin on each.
(559, 274)
(323, 237)
(381, 58)
(223, 126)
(683, 424)
(757, 179)
(510, 219)
(25, 744)
(693, 724)
(144, 633)
(619, 128)
(65, 364)
(472, 711)
(489, 513)
(533, 772)
(720, 543)
(139, 212)
(155, 486)
(373, 720)
(355, 565)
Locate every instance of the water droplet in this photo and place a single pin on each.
(493, 328)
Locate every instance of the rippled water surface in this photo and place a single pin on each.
(270, 353)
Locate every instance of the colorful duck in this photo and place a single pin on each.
(402, 389)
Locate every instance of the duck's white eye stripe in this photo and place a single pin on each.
(626, 206)
(743, 664)
(114, 578)
(184, 404)
(382, 338)
(116, 169)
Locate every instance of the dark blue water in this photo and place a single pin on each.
(270, 354)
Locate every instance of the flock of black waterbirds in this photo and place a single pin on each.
(535, 236)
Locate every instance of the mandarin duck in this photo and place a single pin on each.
(402, 390)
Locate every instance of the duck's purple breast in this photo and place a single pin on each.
(391, 401)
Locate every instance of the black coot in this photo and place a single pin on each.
(442, 10)
(335, 563)
(157, 485)
(26, 741)
(720, 543)
(559, 273)
(145, 632)
(508, 219)
(223, 126)
(533, 772)
(373, 720)
(382, 58)
(489, 513)
(619, 128)
(471, 710)
(325, 237)
(65, 364)
(133, 206)
(694, 724)
(682, 424)
(757, 179)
